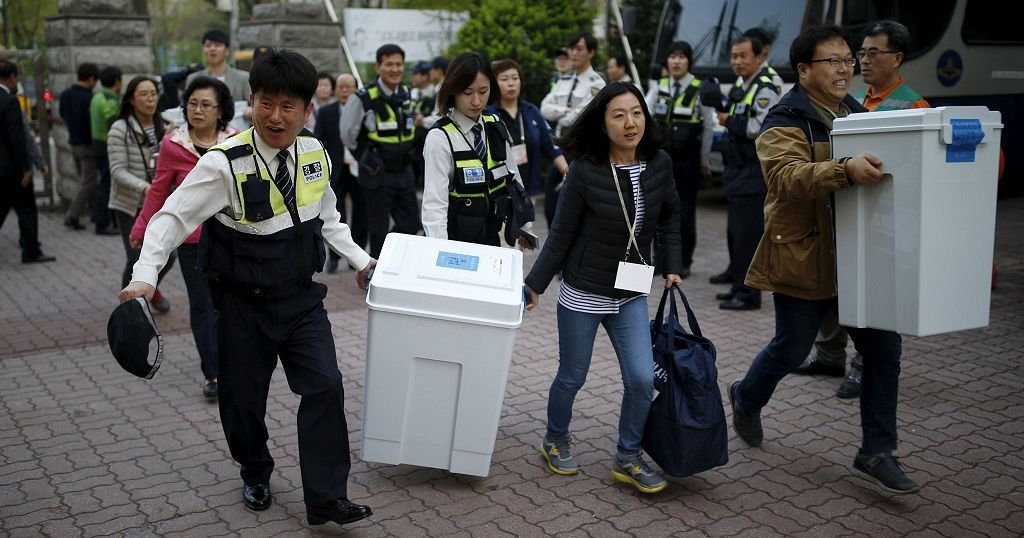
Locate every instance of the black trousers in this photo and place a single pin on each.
(392, 196)
(124, 224)
(200, 309)
(346, 184)
(252, 335)
(102, 217)
(745, 227)
(687, 173)
(22, 200)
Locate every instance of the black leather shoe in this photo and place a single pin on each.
(210, 390)
(721, 278)
(813, 366)
(38, 258)
(884, 471)
(747, 425)
(739, 304)
(340, 511)
(850, 387)
(257, 497)
(109, 230)
(724, 296)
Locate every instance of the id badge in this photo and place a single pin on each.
(682, 111)
(409, 123)
(634, 277)
(660, 109)
(473, 175)
(519, 154)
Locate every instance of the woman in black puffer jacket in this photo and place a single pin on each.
(588, 239)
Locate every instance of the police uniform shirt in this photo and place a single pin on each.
(354, 117)
(708, 119)
(573, 92)
(438, 168)
(764, 99)
(776, 79)
(210, 188)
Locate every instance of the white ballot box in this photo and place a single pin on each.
(442, 325)
(914, 252)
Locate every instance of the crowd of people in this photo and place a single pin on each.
(623, 172)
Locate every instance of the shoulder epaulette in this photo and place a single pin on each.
(237, 152)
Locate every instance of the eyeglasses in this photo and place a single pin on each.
(871, 53)
(834, 63)
(147, 95)
(205, 107)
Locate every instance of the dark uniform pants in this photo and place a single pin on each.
(22, 200)
(745, 227)
(392, 195)
(346, 183)
(252, 334)
(687, 173)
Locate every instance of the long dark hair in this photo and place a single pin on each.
(128, 109)
(587, 139)
(461, 73)
(224, 102)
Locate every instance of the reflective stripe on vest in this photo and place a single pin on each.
(312, 179)
(390, 130)
(761, 81)
(665, 96)
(497, 170)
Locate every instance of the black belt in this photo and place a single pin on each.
(218, 282)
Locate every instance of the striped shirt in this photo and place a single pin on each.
(591, 303)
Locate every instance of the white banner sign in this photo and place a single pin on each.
(423, 34)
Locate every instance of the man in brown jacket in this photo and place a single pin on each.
(796, 256)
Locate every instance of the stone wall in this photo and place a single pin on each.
(105, 32)
(302, 27)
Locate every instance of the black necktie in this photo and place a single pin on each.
(478, 144)
(284, 180)
(568, 102)
(675, 91)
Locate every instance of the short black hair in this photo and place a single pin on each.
(261, 52)
(109, 76)
(682, 47)
(439, 62)
(587, 137)
(88, 70)
(899, 36)
(389, 49)
(7, 69)
(460, 74)
(562, 51)
(224, 101)
(620, 60)
(325, 75)
(806, 44)
(217, 36)
(756, 44)
(284, 72)
(587, 38)
(760, 34)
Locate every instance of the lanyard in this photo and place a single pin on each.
(522, 131)
(625, 213)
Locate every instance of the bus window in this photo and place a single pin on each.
(982, 28)
(926, 21)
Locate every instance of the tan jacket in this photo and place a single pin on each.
(796, 255)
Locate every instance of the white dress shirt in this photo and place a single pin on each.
(708, 119)
(573, 92)
(439, 169)
(209, 189)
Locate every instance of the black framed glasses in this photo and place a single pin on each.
(836, 62)
(872, 53)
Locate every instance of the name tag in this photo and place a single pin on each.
(473, 175)
(409, 122)
(634, 277)
(682, 111)
(312, 172)
(741, 108)
(660, 109)
(519, 154)
(387, 126)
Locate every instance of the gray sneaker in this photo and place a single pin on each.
(633, 470)
(557, 453)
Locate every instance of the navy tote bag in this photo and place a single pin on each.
(685, 431)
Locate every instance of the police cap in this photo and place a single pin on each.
(130, 333)
(421, 68)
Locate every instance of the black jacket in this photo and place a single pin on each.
(329, 133)
(588, 237)
(13, 146)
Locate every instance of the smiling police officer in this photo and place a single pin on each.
(267, 191)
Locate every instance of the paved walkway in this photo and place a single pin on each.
(88, 450)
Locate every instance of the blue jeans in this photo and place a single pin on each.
(796, 325)
(630, 334)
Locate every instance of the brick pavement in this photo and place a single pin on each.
(87, 450)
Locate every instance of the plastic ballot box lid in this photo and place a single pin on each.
(960, 126)
(449, 280)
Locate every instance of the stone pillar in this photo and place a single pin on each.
(105, 32)
(302, 27)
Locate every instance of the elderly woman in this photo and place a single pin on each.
(208, 109)
(618, 196)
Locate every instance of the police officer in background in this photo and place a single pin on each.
(423, 98)
(766, 43)
(565, 101)
(688, 130)
(749, 100)
(379, 128)
(267, 207)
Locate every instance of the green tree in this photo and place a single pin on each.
(23, 21)
(641, 36)
(527, 32)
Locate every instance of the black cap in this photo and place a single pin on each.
(421, 68)
(130, 333)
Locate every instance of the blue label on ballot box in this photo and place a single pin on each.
(452, 260)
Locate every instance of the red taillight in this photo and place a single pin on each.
(47, 96)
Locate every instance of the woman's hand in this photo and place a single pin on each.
(531, 298)
(672, 280)
(135, 243)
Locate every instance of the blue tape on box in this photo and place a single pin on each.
(966, 136)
